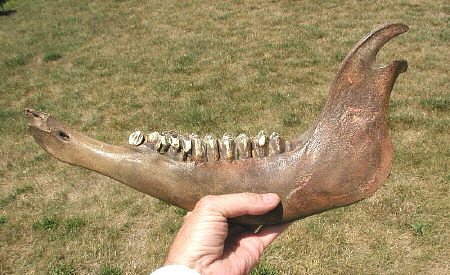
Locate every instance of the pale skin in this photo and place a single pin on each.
(209, 244)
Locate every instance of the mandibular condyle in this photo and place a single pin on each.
(344, 157)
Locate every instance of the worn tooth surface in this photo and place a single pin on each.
(136, 138)
(186, 147)
(276, 144)
(198, 148)
(175, 144)
(212, 148)
(226, 147)
(243, 147)
(260, 142)
(152, 139)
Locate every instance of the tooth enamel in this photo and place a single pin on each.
(186, 147)
(136, 138)
(276, 144)
(180, 147)
(288, 146)
(243, 147)
(174, 148)
(260, 148)
(226, 146)
(198, 148)
(151, 140)
(175, 143)
(212, 148)
(163, 143)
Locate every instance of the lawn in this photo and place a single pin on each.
(109, 68)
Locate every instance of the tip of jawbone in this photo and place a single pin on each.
(360, 83)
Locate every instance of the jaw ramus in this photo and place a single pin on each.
(343, 158)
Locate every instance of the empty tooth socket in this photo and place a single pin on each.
(260, 145)
(243, 147)
(276, 144)
(198, 148)
(136, 138)
(227, 147)
(212, 148)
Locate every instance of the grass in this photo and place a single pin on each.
(109, 68)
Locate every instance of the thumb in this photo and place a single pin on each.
(234, 205)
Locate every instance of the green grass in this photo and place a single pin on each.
(109, 68)
(62, 269)
(47, 223)
(110, 270)
(51, 57)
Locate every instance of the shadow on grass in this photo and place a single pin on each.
(7, 12)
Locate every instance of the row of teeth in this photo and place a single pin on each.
(209, 148)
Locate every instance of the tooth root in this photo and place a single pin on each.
(136, 138)
(260, 142)
(288, 146)
(226, 147)
(152, 139)
(186, 147)
(243, 147)
(276, 144)
(212, 148)
(198, 148)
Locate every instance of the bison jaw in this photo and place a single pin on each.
(343, 158)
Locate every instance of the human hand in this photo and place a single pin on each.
(209, 245)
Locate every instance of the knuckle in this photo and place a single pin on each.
(205, 202)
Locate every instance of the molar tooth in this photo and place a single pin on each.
(152, 139)
(175, 146)
(260, 148)
(212, 148)
(288, 146)
(136, 138)
(186, 147)
(226, 146)
(276, 144)
(198, 148)
(243, 147)
(163, 143)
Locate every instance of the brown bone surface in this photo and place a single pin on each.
(343, 158)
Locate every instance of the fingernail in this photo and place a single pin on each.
(269, 198)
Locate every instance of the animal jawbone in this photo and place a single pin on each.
(343, 158)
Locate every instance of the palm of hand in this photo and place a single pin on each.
(209, 244)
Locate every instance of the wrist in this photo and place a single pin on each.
(189, 263)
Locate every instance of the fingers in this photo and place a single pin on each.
(269, 233)
(234, 205)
